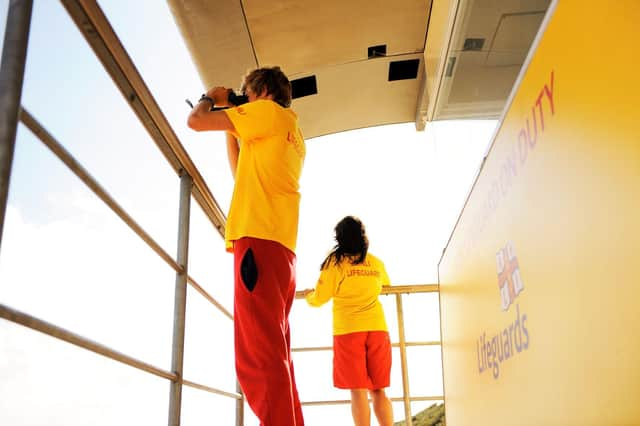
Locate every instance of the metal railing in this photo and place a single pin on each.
(397, 291)
(95, 27)
(100, 36)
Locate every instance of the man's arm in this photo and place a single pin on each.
(201, 118)
(233, 150)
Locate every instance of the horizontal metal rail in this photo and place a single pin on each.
(99, 34)
(75, 339)
(234, 395)
(60, 333)
(411, 288)
(65, 156)
(394, 289)
(397, 289)
(210, 298)
(393, 345)
(348, 401)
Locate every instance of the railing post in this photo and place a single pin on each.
(403, 362)
(14, 55)
(239, 406)
(180, 303)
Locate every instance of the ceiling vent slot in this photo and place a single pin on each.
(377, 51)
(473, 44)
(304, 86)
(450, 64)
(403, 70)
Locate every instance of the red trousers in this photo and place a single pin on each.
(265, 285)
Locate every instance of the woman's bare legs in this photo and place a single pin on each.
(382, 407)
(360, 407)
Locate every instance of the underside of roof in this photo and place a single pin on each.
(361, 63)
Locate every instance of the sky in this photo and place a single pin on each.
(66, 258)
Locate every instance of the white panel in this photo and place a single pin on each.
(304, 35)
(356, 95)
(216, 35)
(482, 80)
(513, 37)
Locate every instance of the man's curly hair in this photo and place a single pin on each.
(272, 79)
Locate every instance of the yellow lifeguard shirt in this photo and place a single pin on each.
(355, 290)
(266, 197)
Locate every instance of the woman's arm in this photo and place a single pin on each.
(324, 289)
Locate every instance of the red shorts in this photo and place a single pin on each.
(362, 360)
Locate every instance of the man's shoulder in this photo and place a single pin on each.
(258, 106)
(267, 106)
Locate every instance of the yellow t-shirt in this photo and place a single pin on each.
(355, 290)
(266, 197)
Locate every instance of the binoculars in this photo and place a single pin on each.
(235, 100)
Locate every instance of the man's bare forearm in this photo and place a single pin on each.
(202, 118)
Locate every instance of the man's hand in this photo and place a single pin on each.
(220, 95)
(202, 118)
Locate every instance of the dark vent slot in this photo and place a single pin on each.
(403, 70)
(473, 44)
(304, 86)
(377, 51)
(450, 64)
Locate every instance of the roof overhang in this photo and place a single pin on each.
(428, 71)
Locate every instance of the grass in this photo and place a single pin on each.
(430, 416)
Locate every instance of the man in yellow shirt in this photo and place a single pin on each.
(266, 153)
(361, 347)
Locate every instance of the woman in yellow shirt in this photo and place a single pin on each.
(361, 345)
